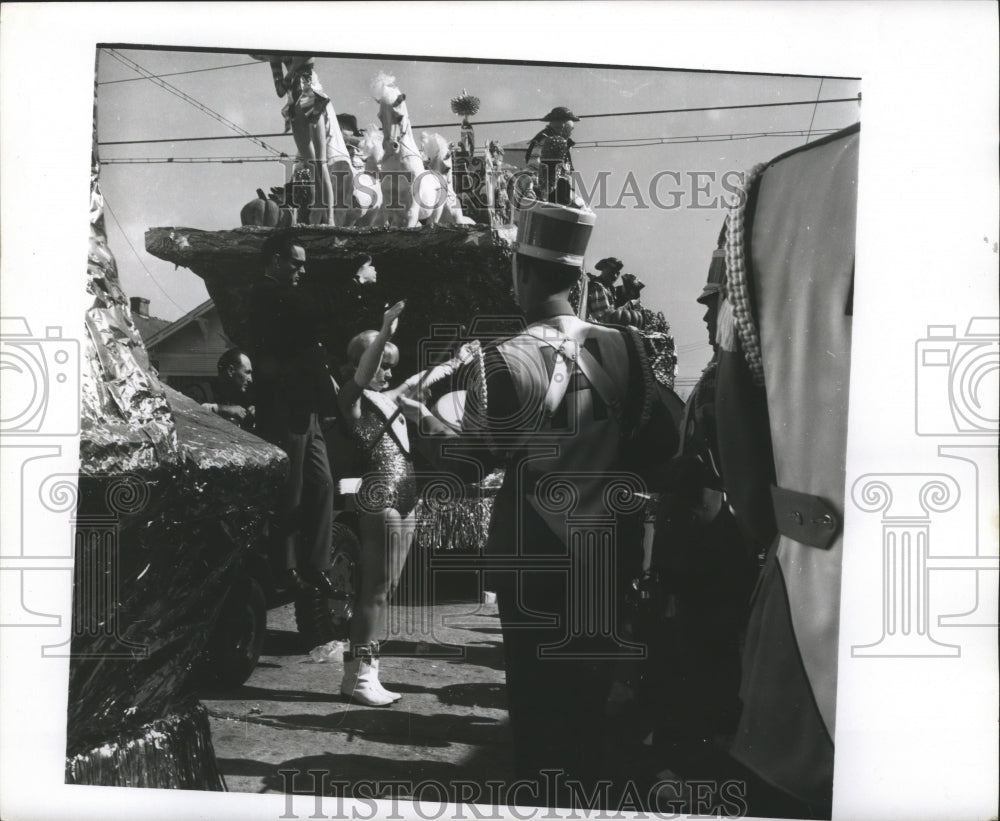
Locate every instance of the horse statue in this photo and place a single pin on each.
(410, 193)
(439, 160)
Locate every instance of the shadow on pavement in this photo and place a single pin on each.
(250, 693)
(388, 726)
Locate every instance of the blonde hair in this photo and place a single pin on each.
(362, 342)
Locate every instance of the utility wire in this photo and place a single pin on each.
(812, 119)
(694, 138)
(178, 73)
(660, 111)
(521, 120)
(143, 264)
(215, 115)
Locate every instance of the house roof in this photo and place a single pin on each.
(168, 330)
(149, 325)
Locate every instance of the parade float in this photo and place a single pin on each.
(174, 503)
(171, 500)
(450, 262)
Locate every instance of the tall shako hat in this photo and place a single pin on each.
(557, 233)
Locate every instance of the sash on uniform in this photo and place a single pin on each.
(395, 421)
(592, 446)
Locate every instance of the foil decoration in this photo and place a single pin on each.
(156, 550)
(172, 499)
(122, 398)
(174, 752)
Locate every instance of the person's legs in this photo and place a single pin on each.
(400, 541)
(556, 705)
(368, 621)
(360, 682)
(321, 170)
(315, 552)
(293, 440)
(311, 148)
(399, 537)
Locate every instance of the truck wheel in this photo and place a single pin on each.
(321, 619)
(234, 648)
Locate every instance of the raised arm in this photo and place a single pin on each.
(370, 360)
(278, 74)
(417, 386)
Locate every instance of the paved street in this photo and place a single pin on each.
(450, 724)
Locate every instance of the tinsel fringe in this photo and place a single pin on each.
(174, 752)
(461, 525)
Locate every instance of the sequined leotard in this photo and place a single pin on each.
(387, 477)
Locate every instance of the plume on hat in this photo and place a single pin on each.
(384, 88)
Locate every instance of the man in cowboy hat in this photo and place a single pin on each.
(600, 290)
(569, 408)
(612, 304)
(559, 124)
(348, 124)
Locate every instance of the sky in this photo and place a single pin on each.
(661, 212)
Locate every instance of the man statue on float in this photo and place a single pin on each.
(570, 409)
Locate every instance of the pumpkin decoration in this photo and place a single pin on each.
(627, 315)
(286, 212)
(260, 211)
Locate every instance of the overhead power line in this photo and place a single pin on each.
(178, 73)
(215, 115)
(812, 119)
(520, 120)
(638, 142)
(143, 264)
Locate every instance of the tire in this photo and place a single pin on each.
(320, 619)
(234, 647)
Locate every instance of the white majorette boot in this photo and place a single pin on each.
(360, 681)
(390, 693)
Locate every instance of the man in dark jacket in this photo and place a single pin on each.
(232, 389)
(295, 391)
